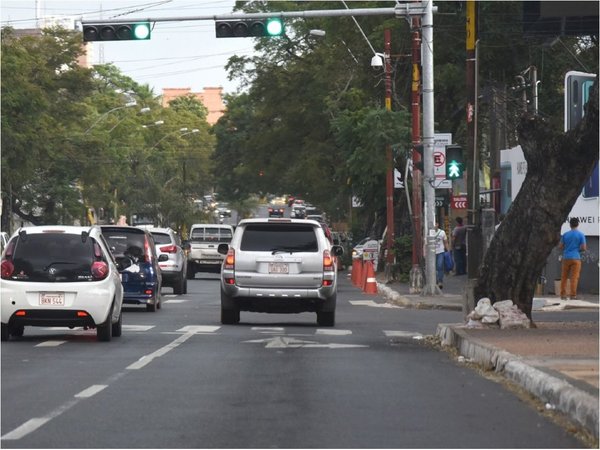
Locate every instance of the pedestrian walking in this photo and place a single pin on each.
(441, 246)
(459, 246)
(572, 243)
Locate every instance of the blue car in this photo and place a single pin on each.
(135, 253)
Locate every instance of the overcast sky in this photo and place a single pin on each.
(179, 54)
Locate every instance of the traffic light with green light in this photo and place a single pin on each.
(249, 28)
(455, 164)
(139, 31)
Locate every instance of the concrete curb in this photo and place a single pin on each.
(578, 405)
(398, 299)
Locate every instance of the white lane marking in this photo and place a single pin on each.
(405, 334)
(199, 329)
(25, 429)
(137, 327)
(175, 301)
(92, 390)
(50, 343)
(269, 330)
(168, 295)
(333, 332)
(189, 331)
(373, 304)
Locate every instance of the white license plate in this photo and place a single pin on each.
(52, 299)
(278, 268)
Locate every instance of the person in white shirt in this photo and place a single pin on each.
(441, 246)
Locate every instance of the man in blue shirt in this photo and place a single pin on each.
(571, 243)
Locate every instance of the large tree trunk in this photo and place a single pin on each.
(558, 165)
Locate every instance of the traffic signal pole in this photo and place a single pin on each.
(430, 287)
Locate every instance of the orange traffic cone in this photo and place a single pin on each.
(370, 280)
(359, 276)
(353, 274)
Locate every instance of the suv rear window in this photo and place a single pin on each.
(211, 234)
(53, 257)
(161, 238)
(273, 237)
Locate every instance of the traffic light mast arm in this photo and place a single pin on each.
(400, 10)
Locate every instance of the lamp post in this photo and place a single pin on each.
(103, 116)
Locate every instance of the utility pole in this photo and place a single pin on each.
(431, 287)
(416, 275)
(389, 184)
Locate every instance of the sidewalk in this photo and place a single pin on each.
(557, 362)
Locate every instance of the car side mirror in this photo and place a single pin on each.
(163, 257)
(223, 249)
(337, 250)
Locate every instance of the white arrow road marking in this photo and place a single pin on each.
(199, 329)
(288, 342)
(373, 304)
(404, 334)
(50, 343)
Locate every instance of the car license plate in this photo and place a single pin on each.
(52, 299)
(278, 268)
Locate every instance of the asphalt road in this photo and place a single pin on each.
(178, 379)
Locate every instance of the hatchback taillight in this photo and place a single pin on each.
(147, 251)
(99, 270)
(7, 268)
(230, 259)
(168, 249)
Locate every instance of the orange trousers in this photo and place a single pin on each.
(571, 269)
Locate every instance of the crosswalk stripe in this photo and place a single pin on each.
(137, 327)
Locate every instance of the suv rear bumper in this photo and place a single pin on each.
(279, 294)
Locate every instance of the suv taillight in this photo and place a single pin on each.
(168, 249)
(7, 268)
(99, 270)
(230, 259)
(327, 261)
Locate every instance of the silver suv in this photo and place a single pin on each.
(279, 266)
(174, 267)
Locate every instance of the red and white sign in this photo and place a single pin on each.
(439, 159)
(459, 202)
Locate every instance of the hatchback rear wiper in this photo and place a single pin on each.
(57, 262)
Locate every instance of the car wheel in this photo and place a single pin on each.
(178, 286)
(326, 318)
(117, 327)
(104, 330)
(17, 330)
(190, 273)
(5, 334)
(230, 314)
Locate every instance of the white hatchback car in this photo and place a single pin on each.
(60, 276)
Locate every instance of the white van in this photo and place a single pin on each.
(204, 241)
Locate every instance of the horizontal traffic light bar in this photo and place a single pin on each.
(249, 28)
(138, 31)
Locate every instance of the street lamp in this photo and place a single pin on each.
(181, 130)
(158, 122)
(103, 116)
(144, 110)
